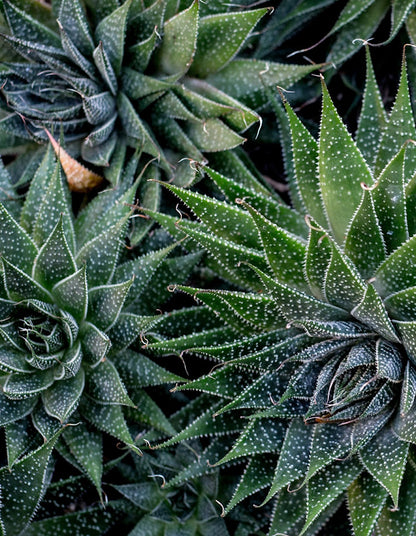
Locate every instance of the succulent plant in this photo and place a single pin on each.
(74, 300)
(155, 76)
(314, 368)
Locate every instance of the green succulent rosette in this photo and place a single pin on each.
(314, 372)
(157, 76)
(73, 303)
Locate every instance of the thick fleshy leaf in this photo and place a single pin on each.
(179, 41)
(305, 157)
(105, 304)
(329, 442)
(62, 398)
(372, 313)
(16, 245)
(407, 331)
(55, 260)
(19, 386)
(327, 485)
(23, 487)
(294, 456)
(105, 385)
(55, 204)
(86, 446)
(73, 19)
(394, 274)
(95, 343)
(341, 170)
(373, 117)
(219, 39)
(222, 218)
(399, 129)
(257, 476)
(366, 498)
(400, 520)
(71, 294)
(19, 439)
(101, 254)
(109, 418)
(390, 202)
(284, 252)
(20, 286)
(408, 392)
(111, 33)
(385, 459)
(245, 79)
(13, 410)
(365, 244)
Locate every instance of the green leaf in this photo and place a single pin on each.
(296, 305)
(256, 476)
(89, 522)
(54, 205)
(38, 187)
(141, 52)
(341, 169)
(213, 135)
(109, 418)
(111, 33)
(390, 202)
(62, 398)
(105, 304)
(258, 437)
(179, 41)
(20, 286)
(101, 254)
(294, 456)
(73, 19)
(222, 218)
(318, 256)
(365, 244)
(26, 385)
(149, 413)
(385, 459)
(23, 487)
(71, 294)
(138, 370)
(394, 274)
(105, 68)
(245, 79)
(28, 28)
(329, 442)
(284, 252)
(400, 11)
(373, 118)
(400, 520)
(105, 385)
(16, 245)
(86, 446)
(13, 410)
(366, 498)
(95, 343)
(305, 157)
(408, 392)
(327, 485)
(220, 37)
(54, 261)
(399, 129)
(19, 439)
(372, 313)
(407, 330)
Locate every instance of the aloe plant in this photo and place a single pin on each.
(314, 368)
(155, 76)
(74, 301)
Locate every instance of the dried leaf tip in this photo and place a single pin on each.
(80, 179)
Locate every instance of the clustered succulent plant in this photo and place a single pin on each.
(284, 399)
(72, 307)
(322, 391)
(156, 76)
